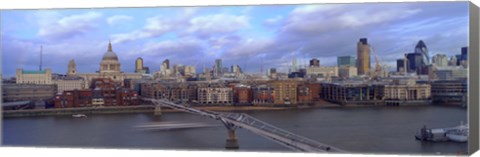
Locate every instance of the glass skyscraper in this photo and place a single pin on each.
(346, 61)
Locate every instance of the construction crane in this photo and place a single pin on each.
(378, 68)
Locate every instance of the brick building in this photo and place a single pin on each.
(242, 94)
(73, 98)
(102, 92)
(262, 94)
(308, 92)
(285, 91)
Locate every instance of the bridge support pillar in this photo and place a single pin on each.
(232, 142)
(158, 110)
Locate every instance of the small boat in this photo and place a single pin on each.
(456, 134)
(460, 134)
(79, 116)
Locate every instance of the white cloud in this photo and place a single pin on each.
(185, 47)
(217, 23)
(274, 20)
(326, 18)
(68, 26)
(154, 27)
(118, 19)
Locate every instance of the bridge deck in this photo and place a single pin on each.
(283, 137)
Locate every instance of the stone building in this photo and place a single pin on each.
(68, 82)
(347, 71)
(109, 68)
(407, 90)
(215, 95)
(322, 71)
(34, 77)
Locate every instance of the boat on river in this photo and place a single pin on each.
(455, 134)
(79, 116)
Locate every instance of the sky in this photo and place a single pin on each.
(267, 36)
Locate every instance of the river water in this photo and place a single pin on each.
(357, 130)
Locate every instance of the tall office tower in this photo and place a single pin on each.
(402, 65)
(464, 57)
(440, 60)
(294, 65)
(139, 65)
(166, 64)
(218, 67)
(363, 56)
(464, 54)
(422, 49)
(207, 74)
(459, 58)
(165, 68)
(346, 61)
(272, 73)
(452, 61)
(236, 69)
(178, 69)
(72, 68)
(314, 62)
(190, 70)
(415, 63)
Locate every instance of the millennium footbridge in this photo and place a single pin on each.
(232, 121)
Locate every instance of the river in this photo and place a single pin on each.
(357, 130)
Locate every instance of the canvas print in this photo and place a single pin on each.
(386, 78)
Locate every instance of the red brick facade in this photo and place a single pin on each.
(111, 93)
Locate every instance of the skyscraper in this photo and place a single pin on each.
(346, 61)
(72, 68)
(459, 58)
(452, 61)
(464, 54)
(464, 57)
(402, 65)
(415, 61)
(165, 69)
(440, 60)
(294, 65)
(138, 65)
(363, 56)
(421, 48)
(314, 62)
(166, 64)
(207, 74)
(218, 67)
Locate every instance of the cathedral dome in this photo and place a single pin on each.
(110, 55)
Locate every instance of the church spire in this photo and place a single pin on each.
(110, 46)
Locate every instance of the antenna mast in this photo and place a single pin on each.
(41, 54)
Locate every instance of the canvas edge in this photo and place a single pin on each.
(473, 79)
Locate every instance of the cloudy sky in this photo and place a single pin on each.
(248, 36)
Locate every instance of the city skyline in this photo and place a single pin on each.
(239, 35)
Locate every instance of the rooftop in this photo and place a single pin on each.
(33, 72)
